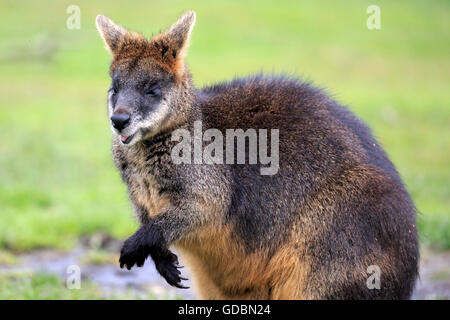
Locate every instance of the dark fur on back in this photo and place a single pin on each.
(335, 207)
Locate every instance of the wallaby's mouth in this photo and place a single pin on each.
(126, 139)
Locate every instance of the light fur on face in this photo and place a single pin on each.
(142, 128)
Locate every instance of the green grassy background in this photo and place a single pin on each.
(57, 180)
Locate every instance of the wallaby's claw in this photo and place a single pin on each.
(166, 263)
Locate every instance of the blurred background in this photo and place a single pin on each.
(61, 200)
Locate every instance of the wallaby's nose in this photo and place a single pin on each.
(120, 121)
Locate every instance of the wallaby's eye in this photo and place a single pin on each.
(113, 90)
(153, 92)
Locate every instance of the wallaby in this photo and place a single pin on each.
(331, 218)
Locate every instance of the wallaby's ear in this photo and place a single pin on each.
(171, 46)
(110, 32)
(180, 33)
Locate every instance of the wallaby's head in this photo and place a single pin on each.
(151, 87)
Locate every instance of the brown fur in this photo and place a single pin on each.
(248, 276)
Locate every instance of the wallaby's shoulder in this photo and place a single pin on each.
(263, 93)
(250, 102)
(279, 101)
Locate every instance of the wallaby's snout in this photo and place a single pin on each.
(120, 121)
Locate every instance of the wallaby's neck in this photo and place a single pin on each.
(190, 111)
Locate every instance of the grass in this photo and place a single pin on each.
(57, 180)
(48, 286)
(42, 286)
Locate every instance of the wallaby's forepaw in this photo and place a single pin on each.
(148, 241)
(167, 265)
(133, 252)
(139, 246)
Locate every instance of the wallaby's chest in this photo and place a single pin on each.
(146, 192)
(146, 175)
